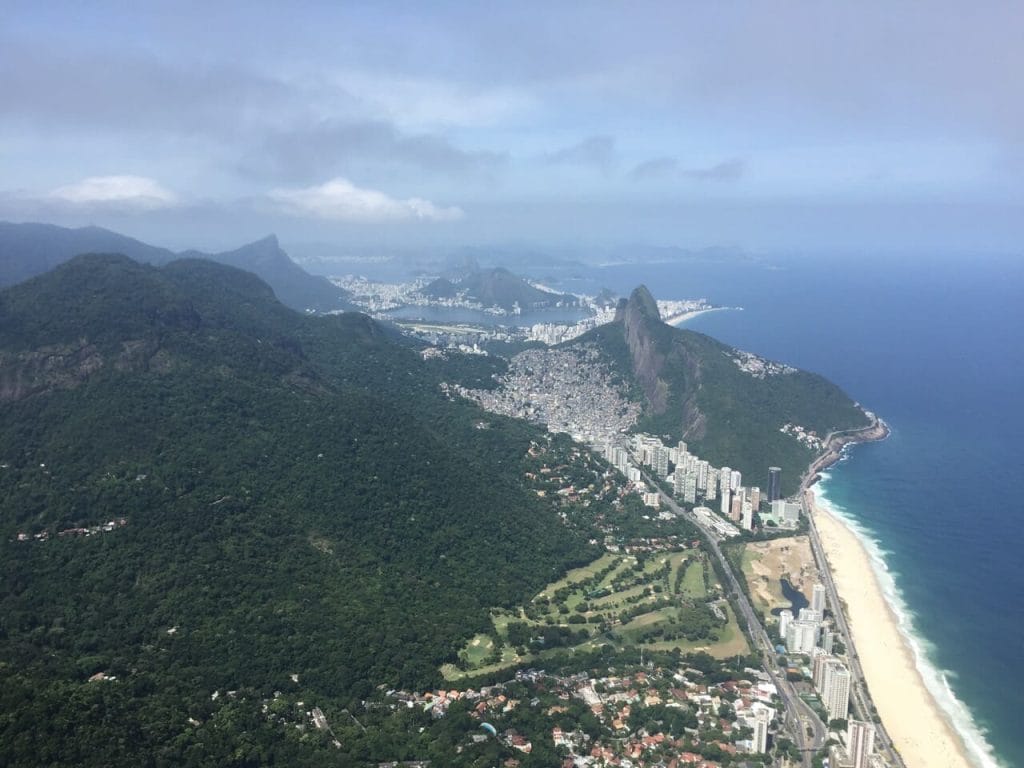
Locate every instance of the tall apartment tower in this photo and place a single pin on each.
(809, 614)
(690, 489)
(711, 491)
(860, 742)
(785, 617)
(660, 461)
(828, 641)
(835, 689)
(801, 636)
(735, 480)
(755, 497)
(703, 470)
(818, 598)
(747, 516)
(762, 718)
(736, 512)
(774, 484)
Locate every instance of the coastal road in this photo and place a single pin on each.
(858, 690)
(799, 717)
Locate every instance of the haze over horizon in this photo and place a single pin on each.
(869, 127)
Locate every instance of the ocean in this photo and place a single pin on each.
(934, 347)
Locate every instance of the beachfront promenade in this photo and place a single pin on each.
(860, 697)
(859, 694)
(808, 732)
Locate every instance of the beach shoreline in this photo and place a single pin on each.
(918, 726)
(678, 320)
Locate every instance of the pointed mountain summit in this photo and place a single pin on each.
(294, 286)
(639, 303)
(27, 250)
(731, 407)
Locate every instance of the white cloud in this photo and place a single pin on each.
(341, 200)
(129, 191)
(419, 103)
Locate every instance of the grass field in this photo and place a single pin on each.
(619, 602)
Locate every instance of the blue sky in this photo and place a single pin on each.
(805, 126)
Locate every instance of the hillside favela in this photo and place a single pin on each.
(604, 396)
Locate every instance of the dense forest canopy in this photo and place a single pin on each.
(298, 497)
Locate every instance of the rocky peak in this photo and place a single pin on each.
(640, 303)
(641, 323)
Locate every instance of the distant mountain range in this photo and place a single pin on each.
(27, 250)
(498, 288)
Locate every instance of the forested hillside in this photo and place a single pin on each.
(730, 407)
(291, 496)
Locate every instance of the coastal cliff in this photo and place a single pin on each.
(731, 407)
(836, 442)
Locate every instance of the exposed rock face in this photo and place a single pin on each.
(66, 366)
(57, 367)
(640, 317)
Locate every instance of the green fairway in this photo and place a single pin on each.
(661, 605)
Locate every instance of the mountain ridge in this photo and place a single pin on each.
(30, 249)
(299, 496)
(498, 287)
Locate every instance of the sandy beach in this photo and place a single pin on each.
(918, 727)
(678, 320)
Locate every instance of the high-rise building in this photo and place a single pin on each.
(828, 640)
(785, 617)
(755, 497)
(762, 719)
(702, 476)
(690, 489)
(860, 742)
(835, 689)
(711, 491)
(726, 506)
(735, 481)
(818, 598)
(809, 614)
(747, 516)
(818, 660)
(774, 484)
(801, 636)
(736, 512)
(660, 460)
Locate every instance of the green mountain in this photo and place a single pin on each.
(498, 288)
(290, 496)
(27, 250)
(729, 406)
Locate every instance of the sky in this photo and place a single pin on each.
(801, 126)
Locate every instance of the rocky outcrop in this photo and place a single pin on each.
(66, 366)
(640, 317)
(58, 367)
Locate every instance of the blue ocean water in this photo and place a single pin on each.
(935, 347)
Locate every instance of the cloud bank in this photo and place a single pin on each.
(341, 200)
(117, 191)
